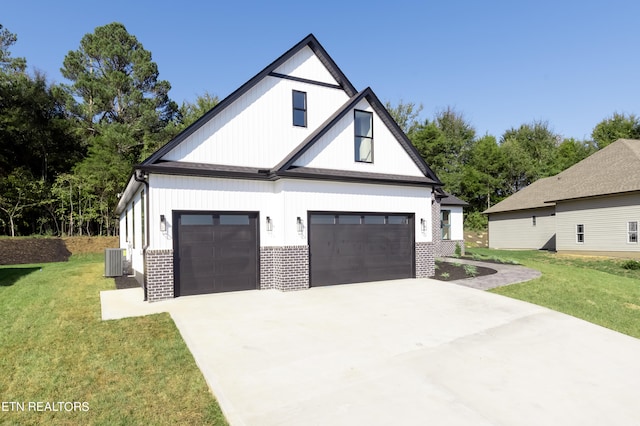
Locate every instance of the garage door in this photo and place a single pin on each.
(350, 248)
(216, 252)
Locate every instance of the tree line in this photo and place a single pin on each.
(67, 150)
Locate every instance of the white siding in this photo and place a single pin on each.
(305, 64)
(335, 150)
(131, 235)
(515, 230)
(283, 201)
(257, 129)
(605, 223)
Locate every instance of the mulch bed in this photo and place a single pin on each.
(456, 272)
(16, 251)
(126, 282)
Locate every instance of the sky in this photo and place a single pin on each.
(499, 63)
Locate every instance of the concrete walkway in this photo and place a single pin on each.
(406, 352)
(507, 274)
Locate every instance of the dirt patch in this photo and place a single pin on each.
(447, 271)
(16, 251)
(476, 239)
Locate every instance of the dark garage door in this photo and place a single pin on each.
(350, 248)
(216, 252)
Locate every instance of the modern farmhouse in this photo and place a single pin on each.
(593, 206)
(294, 180)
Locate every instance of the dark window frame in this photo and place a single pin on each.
(580, 233)
(632, 235)
(445, 226)
(356, 136)
(297, 108)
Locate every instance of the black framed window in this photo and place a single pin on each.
(299, 108)
(580, 234)
(445, 224)
(632, 236)
(363, 136)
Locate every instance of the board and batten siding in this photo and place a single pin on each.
(131, 232)
(457, 221)
(515, 229)
(305, 64)
(283, 201)
(257, 129)
(336, 149)
(605, 223)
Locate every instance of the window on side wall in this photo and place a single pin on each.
(133, 224)
(580, 234)
(445, 224)
(632, 232)
(533, 220)
(142, 223)
(363, 136)
(299, 109)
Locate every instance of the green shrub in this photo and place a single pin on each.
(633, 265)
(445, 275)
(475, 221)
(458, 251)
(471, 270)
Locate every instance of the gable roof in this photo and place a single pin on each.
(615, 169)
(287, 162)
(309, 41)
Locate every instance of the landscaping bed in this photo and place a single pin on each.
(450, 271)
(22, 250)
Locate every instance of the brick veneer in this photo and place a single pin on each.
(284, 268)
(442, 247)
(448, 247)
(425, 260)
(159, 274)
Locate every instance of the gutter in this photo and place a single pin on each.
(139, 176)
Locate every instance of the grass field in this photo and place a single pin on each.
(55, 348)
(598, 290)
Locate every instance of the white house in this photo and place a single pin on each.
(294, 180)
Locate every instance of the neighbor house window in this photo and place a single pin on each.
(533, 220)
(445, 224)
(580, 234)
(299, 108)
(364, 136)
(632, 236)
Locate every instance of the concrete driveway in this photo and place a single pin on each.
(405, 352)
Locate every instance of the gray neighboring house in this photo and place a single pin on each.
(593, 206)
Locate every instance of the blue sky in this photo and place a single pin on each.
(500, 63)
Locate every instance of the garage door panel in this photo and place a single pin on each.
(349, 248)
(217, 252)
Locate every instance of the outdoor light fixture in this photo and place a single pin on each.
(299, 225)
(163, 223)
(423, 225)
(269, 224)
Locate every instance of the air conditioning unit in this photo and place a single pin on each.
(113, 262)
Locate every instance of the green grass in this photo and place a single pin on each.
(55, 347)
(598, 290)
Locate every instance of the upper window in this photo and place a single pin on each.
(580, 234)
(445, 224)
(632, 235)
(533, 220)
(364, 136)
(299, 108)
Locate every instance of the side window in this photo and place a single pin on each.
(445, 224)
(133, 224)
(299, 109)
(363, 136)
(580, 234)
(632, 235)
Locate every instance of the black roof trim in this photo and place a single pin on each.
(184, 168)
(450, 199)
(386, 118)
(352, 176)
(309, 40)
(304, 80)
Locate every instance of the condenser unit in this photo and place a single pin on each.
(113, 262)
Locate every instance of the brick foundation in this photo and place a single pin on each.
(448, 247)
(425, 260)
(158, 278)
(284, 268)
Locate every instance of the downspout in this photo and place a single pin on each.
(139, 176)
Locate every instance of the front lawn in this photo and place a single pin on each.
(598, 290)
(56, 350)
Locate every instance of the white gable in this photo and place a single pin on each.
(257, 129)
(335, 149)
(305, 64)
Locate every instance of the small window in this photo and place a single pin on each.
(299, 109)
(445, 224)
(580, 234)
(397, 220)
(363, 136)
(133, 224)
(533, 220)
(348, 219)
(126, 227)
(142, 222)
(632, 236)
(234, 219)
(196, 219)
(322, 219)
(374, 220)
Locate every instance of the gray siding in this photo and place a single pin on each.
(605, 223)
(515, 230)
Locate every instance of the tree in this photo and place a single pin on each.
(572, 151)
(117, 82)
(17, 193)
(616, 127)
(406, 115)
(7, 63)
(189, 112)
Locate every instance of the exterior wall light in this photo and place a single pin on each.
(423, 225)
(163, 223)
(269, 224)
(299, 225)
